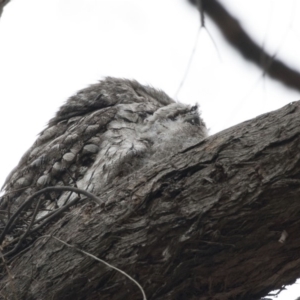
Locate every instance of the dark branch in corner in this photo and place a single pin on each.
(2, 4)
(239, 39)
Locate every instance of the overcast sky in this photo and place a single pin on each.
(49, 49)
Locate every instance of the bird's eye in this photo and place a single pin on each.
(194, 120)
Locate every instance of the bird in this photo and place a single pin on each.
(103, 133)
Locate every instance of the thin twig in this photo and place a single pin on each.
(201, 27)
(45, 190)
(188, 64)
(51, 212)
(55, 214)
(21, 239)
(100, 260)
(48, 218)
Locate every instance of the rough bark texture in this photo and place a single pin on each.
(205, 224)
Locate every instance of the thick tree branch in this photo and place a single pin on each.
(234, 33)
(219, 220)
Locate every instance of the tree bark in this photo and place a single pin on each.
(220, 220)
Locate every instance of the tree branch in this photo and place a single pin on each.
(235, 35)
(2, 4)
(206, 223)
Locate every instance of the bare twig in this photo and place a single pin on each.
(21, 239)
(30, 199)
(235, 34)
(100, 260)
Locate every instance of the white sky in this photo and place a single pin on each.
(49, 49)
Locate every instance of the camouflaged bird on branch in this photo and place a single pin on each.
(102, 133)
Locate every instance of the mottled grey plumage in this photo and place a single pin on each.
(104, 132)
